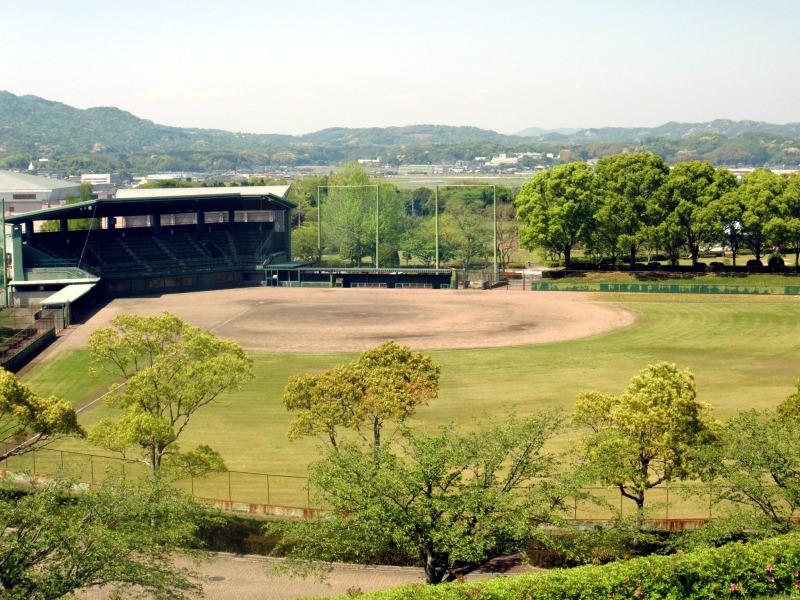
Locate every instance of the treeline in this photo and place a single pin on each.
(633, 206)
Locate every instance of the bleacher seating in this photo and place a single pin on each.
(140, 250)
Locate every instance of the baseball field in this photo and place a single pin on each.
(500, 352)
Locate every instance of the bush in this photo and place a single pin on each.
(754, 265)
(765, 568)
(776, 263)
(717, 266)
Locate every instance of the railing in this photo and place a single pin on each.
(670, 506)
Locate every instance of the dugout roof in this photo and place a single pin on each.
(165, 201)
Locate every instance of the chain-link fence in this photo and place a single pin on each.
(668, 504)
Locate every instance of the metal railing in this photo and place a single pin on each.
(675, 506)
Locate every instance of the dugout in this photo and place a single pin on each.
(152, 241)
(297, 275)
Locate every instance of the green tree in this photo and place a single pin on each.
(465, 230)
(784, 228)
(556, 208)
(29, 421)
(645, 436)
(687, 191)
(760, 193)
(385, 383)
(170, 370)
(304, 242)
(756, 465)
(124, 536)
(722, 218)
(627, 187)
(450, 500)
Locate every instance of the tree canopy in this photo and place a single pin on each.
(170, 370)
(451, 500)
(123, 536)
(385, 383)
(645, 436)
(29, 421)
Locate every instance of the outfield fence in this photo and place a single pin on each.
(652, 284)
(678, 506)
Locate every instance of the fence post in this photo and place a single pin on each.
(667, 507)
(230, 497)
(62, 459)
(267, 474)
(124, 478)
(34, 462)
(575, 514)
(191, 480)
(91, 468)
(308, 495)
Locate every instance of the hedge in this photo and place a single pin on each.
(764, 568)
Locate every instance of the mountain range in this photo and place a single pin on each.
(110, 139)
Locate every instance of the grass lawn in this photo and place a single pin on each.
(743, 351)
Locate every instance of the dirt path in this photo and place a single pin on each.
(336, 320)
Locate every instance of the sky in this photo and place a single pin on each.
(297, 66)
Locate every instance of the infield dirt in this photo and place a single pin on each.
(309, 320)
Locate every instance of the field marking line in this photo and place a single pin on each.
(234, 317)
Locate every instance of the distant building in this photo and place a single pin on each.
(502, 160)
(96, 178)
(22, 192)
(369, 161)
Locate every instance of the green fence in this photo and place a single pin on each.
(664, 288)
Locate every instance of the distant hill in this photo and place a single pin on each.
(110, 139)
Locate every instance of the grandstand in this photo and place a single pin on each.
(152, 241)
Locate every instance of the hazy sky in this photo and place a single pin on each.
(297, 65)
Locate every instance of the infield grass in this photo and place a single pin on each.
(743, 351)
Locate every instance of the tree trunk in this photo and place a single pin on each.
(434, 573)
(567, 256)
(695, 252)
(376, 433)
(633, 257)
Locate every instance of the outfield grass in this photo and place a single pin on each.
(743, 351)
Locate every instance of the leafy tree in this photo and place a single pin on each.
(124, 536)
(628, 185)
(722, 218)
(385, 383)
(28, 421)
(507, 234)
(643, 437)
(450, 500)
(304, 242)
(784, 228)
(170, 370)
(756, 465)
(420, 242)
(465, 229)
(760, 193)
(556, 207)
(84, 195)
(689, 188)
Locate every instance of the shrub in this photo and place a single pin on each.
(765, 568)
(776, 263)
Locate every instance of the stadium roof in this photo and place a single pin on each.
(167, 200)
(279, 191)
(11, 181)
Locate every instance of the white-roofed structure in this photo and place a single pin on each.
(23, 193)
(280, 191)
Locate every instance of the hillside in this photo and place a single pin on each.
(110, 139)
